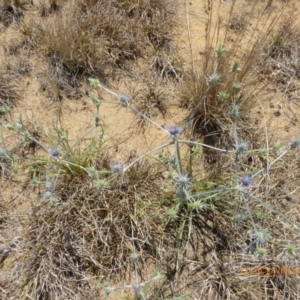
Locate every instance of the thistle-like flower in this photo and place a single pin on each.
(183, 181)
(223, 95)
(117, 167)
(295, 143)
(214, 79)
(261, 237)
(94, 82)
(242, 147)
(235, 111)
(137, 287)
(53, 152)
(220, 50)
(101, 184)
(236, 86)
(124, 99)
(246, 180)
(197, 205)
(175, 131)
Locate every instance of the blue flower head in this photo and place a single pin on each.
(295, 143)
(246, 180)
(175, 131)
(124, 99)
(54, 152)
(183, 181)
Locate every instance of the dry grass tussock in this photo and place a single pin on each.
(229, 59)
(90, 36)
(98, 224)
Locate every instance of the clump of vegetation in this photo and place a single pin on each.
(91, 37)
(280, 56)
(99, 216)
(225, 74)
(9, 89)
(12, 10)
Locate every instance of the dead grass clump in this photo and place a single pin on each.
(12, 10)
(47, 7)
(279, 59)
(9, 89)
(225, 79)
(151, 101)
(237, 86)
(58, 82)
(167, 66)
(91, 37)
(239, 22)
(89, 233)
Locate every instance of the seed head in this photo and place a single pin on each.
(175, 131)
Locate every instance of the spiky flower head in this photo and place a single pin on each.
(261, 251)
(220, 50)
(197, 205)
(236, 86)
(246, 180)
(261, 236)
(117, 167)
(242, 147)
(291, 249)
(4, 110)
(175, 131)
(183, 181)
(124, 99)
(101, 184)
(93, 173)
(223, 95)
(214, 79)
(295, 143)
(277, 146)
(172, 213)
(54, 152)
(137, 287)
(94, 82)
(235, 111)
